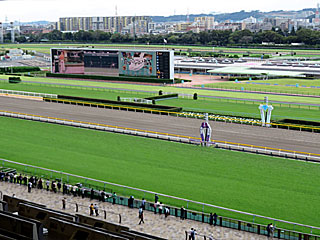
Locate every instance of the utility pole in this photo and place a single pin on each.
(12, 33)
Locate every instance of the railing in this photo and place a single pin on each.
(182, 114)
(189, 214)
(138, 100)
(23, 93)
(169, 136)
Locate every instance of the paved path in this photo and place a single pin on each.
(171, 228)
(245, 134)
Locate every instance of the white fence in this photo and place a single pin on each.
(31, 94)
(136, 100)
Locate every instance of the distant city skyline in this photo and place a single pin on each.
(52, 10)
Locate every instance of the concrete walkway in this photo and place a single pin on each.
(157, 225)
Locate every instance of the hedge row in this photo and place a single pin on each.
(174, 95)
(19, 69)
(14, 80)
(300, 122)
(115, 78)
(134, 104)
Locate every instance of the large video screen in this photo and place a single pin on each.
(137, 63)
(67, 61)
(157, 64)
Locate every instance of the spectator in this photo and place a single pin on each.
(59, 186)
(75, 189)
(19, 181)
(211, 219)
(130, 202)
(63, 203)
(29, 187)
(64, 188)
(48, 184)
(40, 184)
(271, 227)
(91, 208)
(215, 217)
(160, 208)
(103, 195)
(91, 193)
(156, 198)
(192, 235)
(96, 209)
(182, 212)
(114, 196)
(143, 204)
(141, 215)
(25, 180)
(166, 212)
(83, 192)
(15, 178)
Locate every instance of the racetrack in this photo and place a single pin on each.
(276, 138)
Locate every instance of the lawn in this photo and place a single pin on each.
(244, 109)
(274, 187)
(279, 88)
(247, 109)
(171, 89)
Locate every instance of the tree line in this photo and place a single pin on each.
(214, 37)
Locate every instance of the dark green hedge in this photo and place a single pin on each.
(139, 105)
(19, 69)
(174, 95)
(120, 78)
(14, 80)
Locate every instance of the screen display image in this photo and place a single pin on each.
(101, 62)
(113, 62)
(67, 61)
(137, 63)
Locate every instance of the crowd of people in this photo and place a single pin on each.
(79, 191)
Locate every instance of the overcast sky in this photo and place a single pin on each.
(51, 10)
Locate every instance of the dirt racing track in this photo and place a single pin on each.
(245, 134)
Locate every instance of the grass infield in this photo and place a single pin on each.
(238, 108)
(274, 187)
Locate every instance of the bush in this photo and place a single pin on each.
(161, 96)
(14, 80)
(120, 78)
(195, 96)
(19, 69)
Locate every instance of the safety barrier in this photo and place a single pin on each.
(183, 114)
(169, 136)
(30, 94)
(252, 226)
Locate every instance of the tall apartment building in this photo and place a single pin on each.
(107, 24)
(206, 22)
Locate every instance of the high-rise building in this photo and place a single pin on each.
(107, 24)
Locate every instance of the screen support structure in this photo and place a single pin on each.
(265, 112)
(205, 132)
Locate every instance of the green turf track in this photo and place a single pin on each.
(275, 187)
(216, 106)
(171, 89)
(281, 88)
